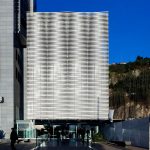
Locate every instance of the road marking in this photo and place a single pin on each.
(91, 148)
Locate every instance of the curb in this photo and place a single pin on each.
(111, 144)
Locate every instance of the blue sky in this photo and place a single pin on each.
(129, 23)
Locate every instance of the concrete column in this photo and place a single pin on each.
(96, 129)
(31, 5)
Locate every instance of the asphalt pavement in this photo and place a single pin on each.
(65, 145)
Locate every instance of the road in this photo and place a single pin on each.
(65, 145)
(74, 145)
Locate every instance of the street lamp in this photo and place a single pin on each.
(98, 107)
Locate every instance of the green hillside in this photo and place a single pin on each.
(130, 88)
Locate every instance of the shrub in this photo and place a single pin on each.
(98, 137)
(2, 134)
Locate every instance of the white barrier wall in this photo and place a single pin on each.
(136, 131)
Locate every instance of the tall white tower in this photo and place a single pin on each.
(66, 66)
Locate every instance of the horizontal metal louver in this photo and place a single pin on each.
(66, 66)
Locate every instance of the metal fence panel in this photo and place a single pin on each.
(136, 131)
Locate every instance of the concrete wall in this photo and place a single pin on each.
(6, 65)
(136, 131)
(11, 68)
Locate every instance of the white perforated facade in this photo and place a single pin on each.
(66, 66)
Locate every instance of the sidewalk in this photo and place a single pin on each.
(135, 148)
(121, 147)
(5, 145)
